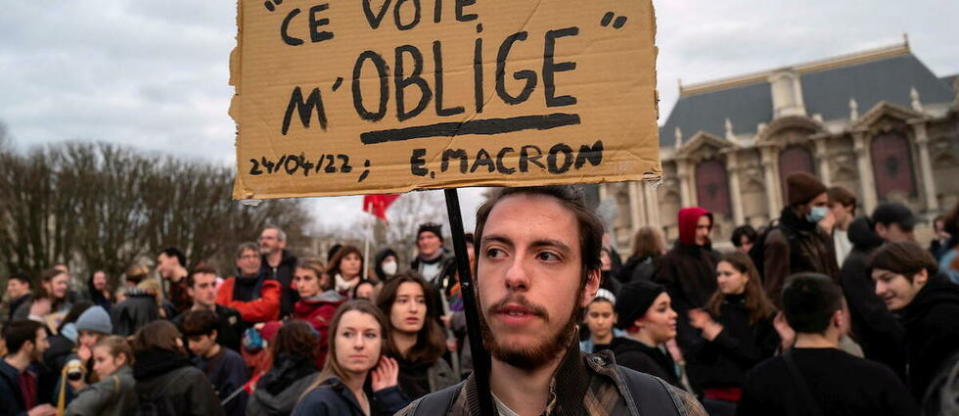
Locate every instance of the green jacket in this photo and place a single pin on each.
(114, 396)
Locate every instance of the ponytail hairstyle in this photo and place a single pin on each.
(117, 346)
(757, 303)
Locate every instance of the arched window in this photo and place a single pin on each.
(892, 165)
(792, 160)
(712, 187)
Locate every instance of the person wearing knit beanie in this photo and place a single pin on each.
(801, 188)
(644, 310)
(95, 319)
(635, 298)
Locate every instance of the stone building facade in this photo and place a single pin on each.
(878, 123)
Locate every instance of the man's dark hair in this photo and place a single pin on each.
(571, 198)
(247, 247)
(200, 322)
(905, 258)
(175, 252)
(809, 301)
(743, 230)
(22, 278)
(843, 196)
(200, 268)
(49, 274)
(16, 333)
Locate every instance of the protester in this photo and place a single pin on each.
(171, 266)
(346, 267)
(908, 281)
(92, 326)
(797, 244)
(365, 289)
(18, 292)
(939, 245)
(743, 238)
(418, 339)
(386, 264)
(358, 378)
(278, 263)
(688, 271)
(50, 303)
(949, 260)
(607, 271)
(431, 256)
(224, 368)
(600, 321)
(134, 275)
(815, 377)
(20, 392)
(64, 340)
(98, 290)
(737, 333)
(115, 393)
(537, 269)
(874, 327)
(166, 383)
(645, 312)
(318, 302)
(252, 293)
(294, 369)
(648, 245)
(201, 285)
(842, 211)
(142, 306)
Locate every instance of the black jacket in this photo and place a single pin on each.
(333, 398)
(795, 246)
(637, 268)
(11, 400)
(689, 274)
(16, 303)
(283, 273)
(932, 334)
(139, 309)
(640, 357)
(166, 382)
(280, 389)
(724, 361)
(229, 326)
(874, 327)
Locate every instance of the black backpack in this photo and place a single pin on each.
(757, 252)
(160, 404)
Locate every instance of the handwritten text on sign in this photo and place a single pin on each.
(376, 96)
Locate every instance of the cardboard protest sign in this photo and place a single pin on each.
(386, 96)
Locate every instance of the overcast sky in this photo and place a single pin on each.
(153, 74)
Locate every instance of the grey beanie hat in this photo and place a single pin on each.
(95, 319)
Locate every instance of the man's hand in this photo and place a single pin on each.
(386, 373)
(701, 320)
(40, 307)
(828, 223)
(786, 334)
(42, 410)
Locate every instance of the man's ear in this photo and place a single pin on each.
(921, 278)
(593, 278)
(214, 334)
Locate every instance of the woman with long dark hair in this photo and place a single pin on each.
(648, 245)
(419, 339)
(736, 333)
(99, 290)
(346, 267)
(358, 378)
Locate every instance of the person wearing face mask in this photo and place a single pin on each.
(736, 333)
(797, 243)
(386, 264)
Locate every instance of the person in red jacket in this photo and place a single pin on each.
(251, 293)
(318, 301)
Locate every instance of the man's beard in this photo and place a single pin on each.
(536, 356)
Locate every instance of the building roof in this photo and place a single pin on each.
(950, 81)
(885, 74)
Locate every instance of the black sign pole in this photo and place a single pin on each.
(481, 359)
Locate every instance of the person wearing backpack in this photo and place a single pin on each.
(815, 377)
(166, 382)
(797, 243)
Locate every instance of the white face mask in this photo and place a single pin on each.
(389, 268)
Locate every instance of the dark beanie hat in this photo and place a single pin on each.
(634, 300)
(431, 228)
(802, 187)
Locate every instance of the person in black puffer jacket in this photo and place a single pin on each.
(166, 382)
(294, 367)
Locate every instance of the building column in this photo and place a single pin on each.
(652, 204)
(685, 196)
(925, 166)
(866, 177)
(732, 172)
(823, 161)
(636, 208)
(771, 177)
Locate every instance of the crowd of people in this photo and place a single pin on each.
(822, 311)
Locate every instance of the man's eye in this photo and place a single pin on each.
(547, 256)
(494, 253)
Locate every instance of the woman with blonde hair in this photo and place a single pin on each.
(357, 379)
(143, 304)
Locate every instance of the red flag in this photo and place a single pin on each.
(377, 204)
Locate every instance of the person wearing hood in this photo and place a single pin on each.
(278, 263)
(908, 281)
(431, 255)
(645, 312)
(386, 264)
(318, 301)
(797, 243)
(874, 327)
(688, 271)
(294, 352)
(252, 293)
(166, 382)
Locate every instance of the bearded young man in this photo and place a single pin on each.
(537, 267)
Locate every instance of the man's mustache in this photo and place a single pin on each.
(520, 300)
